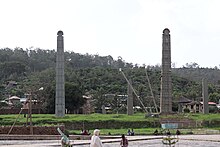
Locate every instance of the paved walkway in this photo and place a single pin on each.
(134, 141)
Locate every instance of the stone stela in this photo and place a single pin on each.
(60, 81)
(205, 96)
(166, 81)
(130, 105)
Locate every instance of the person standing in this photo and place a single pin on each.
(95, 140)
(124, 141)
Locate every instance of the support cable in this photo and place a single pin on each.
(152, 94)
(133, 90)
(15, 121)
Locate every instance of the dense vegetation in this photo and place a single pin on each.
(96, 76)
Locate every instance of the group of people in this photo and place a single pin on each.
(167, 132)
(130, 132)
(96, 141)
(85, 132)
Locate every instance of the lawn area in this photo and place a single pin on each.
(50, 119)
(195, 116)
(138, 131)
(42, 119)
(149, 131)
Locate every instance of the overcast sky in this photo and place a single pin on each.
(131, 29)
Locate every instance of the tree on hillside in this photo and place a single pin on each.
(116, 103)
(12, 68)
(99, 99)
(214, 97)
(73, 97)
(5, 54)
(191, 65)
(49, 99)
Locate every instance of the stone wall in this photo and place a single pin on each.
(182, 123)
(111, 124)
(38, 130)
(16, 111)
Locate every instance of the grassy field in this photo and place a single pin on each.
(42, 119)
(45, 119)
(195, 116)
(138, 131)
(50, 119)
(149, 131)
(97, 117)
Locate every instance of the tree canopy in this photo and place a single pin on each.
(96, 75)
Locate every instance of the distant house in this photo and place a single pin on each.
(197, 106)
(182, 103)
(11, 84)
(23, 100)
(87, 107)
(35, 104)
(218, 106)
(4, 104)
(212, 107)
(13, 100)
(193, 106)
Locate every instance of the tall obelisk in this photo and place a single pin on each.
(166, 81)
(60, 81)
(130, 104)
(205, 96)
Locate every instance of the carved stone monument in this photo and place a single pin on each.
(166, 81)
(130, 110)
(205, 96)
(60, 81)
(103, 109)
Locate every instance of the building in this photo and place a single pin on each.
(197, 107)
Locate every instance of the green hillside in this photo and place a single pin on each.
(95, 76)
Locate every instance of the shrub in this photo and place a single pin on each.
(186, 110)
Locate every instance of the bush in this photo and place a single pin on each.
(189, 133)
(186, 110)
(213, 109)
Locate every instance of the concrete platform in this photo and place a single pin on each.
(134, 141)
(37, 143)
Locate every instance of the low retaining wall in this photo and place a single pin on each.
(51, 137)
(181, 123)
(111, 124)
(212, 123)
(16, 111)
(37, 130)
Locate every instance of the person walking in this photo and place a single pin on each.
(95, 140)
(124, 141)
